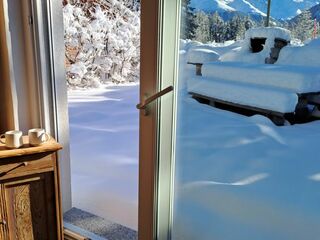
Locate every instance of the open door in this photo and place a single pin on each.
(228, 156)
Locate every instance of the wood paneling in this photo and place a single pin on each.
(22, 166)
(30, 201)
(30, 207)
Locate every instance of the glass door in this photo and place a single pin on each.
(243, 163)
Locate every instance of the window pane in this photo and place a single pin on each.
(248, 124)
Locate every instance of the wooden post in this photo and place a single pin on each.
(199, 69)
(268, 14)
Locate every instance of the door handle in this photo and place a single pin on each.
(143, 105)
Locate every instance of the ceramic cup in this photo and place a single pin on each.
(12, 139)
(37, 136)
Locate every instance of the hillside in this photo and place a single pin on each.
(315, 14)
(283, 9)
(226, 7)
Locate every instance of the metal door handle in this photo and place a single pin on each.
(143, 105)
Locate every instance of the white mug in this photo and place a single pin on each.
(13, 139)
(37, 136)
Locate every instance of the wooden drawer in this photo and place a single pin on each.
(24, 165)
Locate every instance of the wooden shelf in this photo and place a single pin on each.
(26, 149)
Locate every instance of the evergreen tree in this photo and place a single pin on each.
(303, 27)
(217, 29)
(229, 32)
(260, 22)
(248, 23)
(238, 27)
(202, 30)
(187, 20)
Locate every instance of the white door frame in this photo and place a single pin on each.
(159, 43)
(50, 54)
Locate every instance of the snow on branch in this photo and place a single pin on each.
(102, 42)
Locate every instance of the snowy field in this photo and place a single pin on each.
(232, 172)
(241, 177)
(104, 152)
(245, 174)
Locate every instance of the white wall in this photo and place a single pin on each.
(38, 75)
(23, 65)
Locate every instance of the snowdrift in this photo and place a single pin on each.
(237, 93)
(298, 79)
(244, 52)
(242, 78)
(196, 56)
(307, 55)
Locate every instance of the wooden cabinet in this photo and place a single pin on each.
(30, 205)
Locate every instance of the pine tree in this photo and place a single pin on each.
(262, 22)
(248, 23)
(303, 27)
(238, 28)
(229, 33)
(187, 20)
(202, 30)
(217, 29)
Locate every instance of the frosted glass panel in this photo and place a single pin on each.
(247, 165)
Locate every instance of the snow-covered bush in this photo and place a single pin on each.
(102, 41)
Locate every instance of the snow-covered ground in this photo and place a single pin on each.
(239, 177)
(104, 152)
(236, 177)
(232, 171)
(243, 177)
(242, 76)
